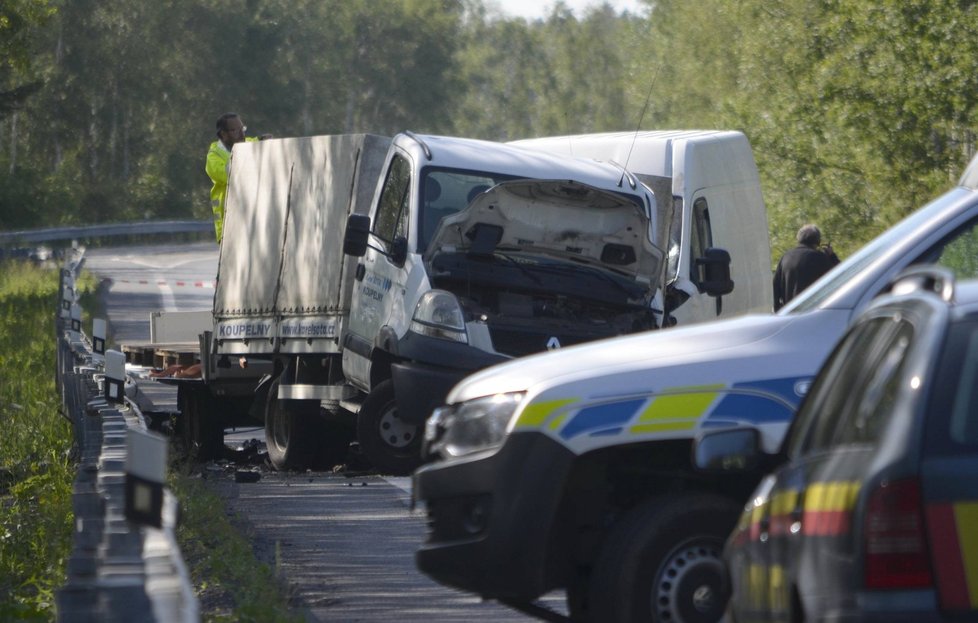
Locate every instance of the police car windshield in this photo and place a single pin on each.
(909, 229)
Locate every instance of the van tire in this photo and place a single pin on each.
(390, 444)
(662, 562)
(293, 431)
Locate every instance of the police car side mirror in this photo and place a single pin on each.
(729, 450)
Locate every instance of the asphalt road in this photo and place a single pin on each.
(344, 543)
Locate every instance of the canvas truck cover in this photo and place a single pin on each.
(283, 283)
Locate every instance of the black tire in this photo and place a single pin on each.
(202, 425)
(390, 444)
(294, 431)
(662, 562)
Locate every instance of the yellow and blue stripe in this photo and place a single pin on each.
(674, 409)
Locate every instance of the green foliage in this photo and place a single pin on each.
(35, 472)
(858, 114)
(20, 23)
(223, 565)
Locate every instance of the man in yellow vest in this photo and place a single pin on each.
(230, 130)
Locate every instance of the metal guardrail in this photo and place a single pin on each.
(118, 570)
(50, 234)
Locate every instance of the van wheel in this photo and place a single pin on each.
(662, 562)
(201, 424)
(390, 443)
(293, 431)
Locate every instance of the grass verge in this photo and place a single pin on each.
(36, 469)
(231, 583)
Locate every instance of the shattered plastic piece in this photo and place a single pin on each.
(246, 475)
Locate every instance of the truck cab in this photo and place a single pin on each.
(474, 253)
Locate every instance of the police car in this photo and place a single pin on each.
(872, 511)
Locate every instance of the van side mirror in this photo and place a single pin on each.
(714, 272)
(355, 237)
(730, 450)
(398, 250)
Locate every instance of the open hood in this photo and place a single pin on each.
(558, 218)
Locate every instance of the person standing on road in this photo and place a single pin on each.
(801, 266)
(230, 130)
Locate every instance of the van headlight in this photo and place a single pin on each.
(470, 426)
(439, 314)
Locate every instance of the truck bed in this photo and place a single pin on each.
(161, 355)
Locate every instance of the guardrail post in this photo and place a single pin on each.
(98, 341)
(115, 376)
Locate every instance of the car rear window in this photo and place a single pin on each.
(854, 394)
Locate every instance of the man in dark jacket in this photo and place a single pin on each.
(802, 266)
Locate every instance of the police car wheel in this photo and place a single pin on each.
(661, 562)
(392, 445)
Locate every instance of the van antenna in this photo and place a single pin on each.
(641, 118)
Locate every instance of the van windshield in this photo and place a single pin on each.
(447, 191)
(912, 227)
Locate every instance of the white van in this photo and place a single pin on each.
(708, 195)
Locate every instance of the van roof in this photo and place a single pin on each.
(650, 152)
(479, 155)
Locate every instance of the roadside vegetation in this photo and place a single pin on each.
(36, 468)
(858, 112)
(230, 582)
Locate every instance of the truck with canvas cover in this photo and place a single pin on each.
(538, 248)
(457, 254)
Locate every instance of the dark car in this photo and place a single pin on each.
(871, 511)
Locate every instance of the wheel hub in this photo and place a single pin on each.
(689, 588)
(395, 431)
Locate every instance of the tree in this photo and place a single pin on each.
(20, 23)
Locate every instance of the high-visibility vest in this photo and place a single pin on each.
(218, 164)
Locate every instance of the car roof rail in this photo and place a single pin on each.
(925, 277)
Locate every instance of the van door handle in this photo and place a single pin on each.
(361, 271)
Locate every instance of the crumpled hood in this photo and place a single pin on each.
(716, 342)
(562, 218)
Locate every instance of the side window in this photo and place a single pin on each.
(959, 252)
(964, 412)
(701, 236)
(875, 401)
(392, 214)
(838, 392)
(952, 413)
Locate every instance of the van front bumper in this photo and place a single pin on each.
(428, 369)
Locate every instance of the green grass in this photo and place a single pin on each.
(36, 472)
(231, 583)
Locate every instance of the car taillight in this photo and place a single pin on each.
(896, 553)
